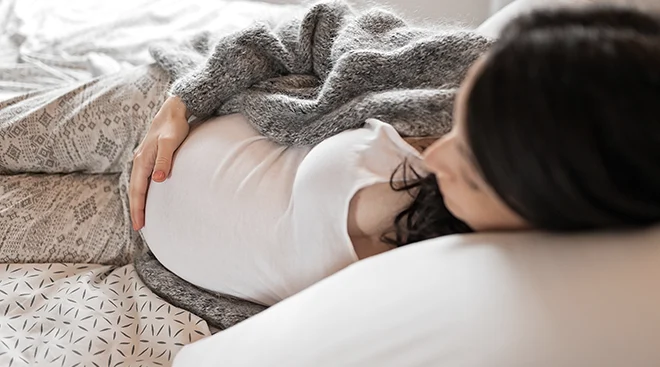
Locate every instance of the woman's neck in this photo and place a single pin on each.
(371, 213)
(421, 143)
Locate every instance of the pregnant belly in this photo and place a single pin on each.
(218, 218)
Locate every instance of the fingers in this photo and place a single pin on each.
(142, 167)
(163, 164)
(153, 159)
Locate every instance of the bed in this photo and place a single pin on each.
(82, 314)
(99, 315)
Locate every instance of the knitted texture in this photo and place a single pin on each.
(218, 310)
(308, 79)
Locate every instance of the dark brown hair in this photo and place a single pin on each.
(427, 216)
(563, 122)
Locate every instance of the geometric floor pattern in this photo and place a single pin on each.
(88, 316)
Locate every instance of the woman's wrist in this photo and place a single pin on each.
(176, 107)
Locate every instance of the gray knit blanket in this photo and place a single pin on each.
(307, 79)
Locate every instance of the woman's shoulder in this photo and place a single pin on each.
(388, 133)
(373, 151)
(374, 136)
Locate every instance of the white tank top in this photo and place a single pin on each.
(244, 216)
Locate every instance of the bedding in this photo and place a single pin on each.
(495, 300)
(45, 43)
(64, 314)
(492, 26)
(87, 315)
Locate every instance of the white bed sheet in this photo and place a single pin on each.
(50, 42)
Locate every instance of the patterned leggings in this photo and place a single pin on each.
(65, 159)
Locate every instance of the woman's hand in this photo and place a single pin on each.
(153, 157)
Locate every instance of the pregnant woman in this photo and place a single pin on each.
(556, 128)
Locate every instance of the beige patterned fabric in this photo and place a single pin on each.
(65, 156)
(88, 315)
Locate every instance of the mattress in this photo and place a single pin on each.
(81, 314)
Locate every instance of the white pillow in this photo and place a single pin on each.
(493, 25)
(477, 300)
